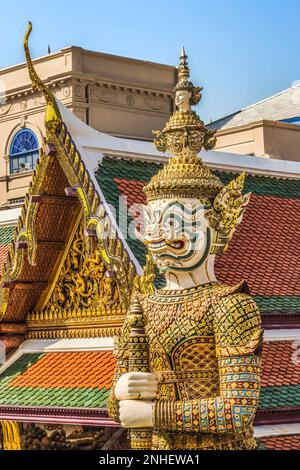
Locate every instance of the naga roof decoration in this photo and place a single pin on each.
(97, 224)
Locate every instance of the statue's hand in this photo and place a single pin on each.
(136, 385)
(136, 414)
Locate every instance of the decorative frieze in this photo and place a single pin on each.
(121, 96)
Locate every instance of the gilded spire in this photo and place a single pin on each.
(52, 117)
(184, 84)
(183, 69)
(184, 136)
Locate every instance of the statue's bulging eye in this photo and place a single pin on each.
(171, 223)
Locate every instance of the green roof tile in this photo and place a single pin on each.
(280, 397)
(266, 186)
(278, 303)
(11, 394)
(6, 234)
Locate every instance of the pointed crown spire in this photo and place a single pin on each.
(183, 80)
(184, 136)
(185, 176)
(183, 69)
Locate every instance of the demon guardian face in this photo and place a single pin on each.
(177, 233)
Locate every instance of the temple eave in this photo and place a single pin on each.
(57, 415)
(282, 415)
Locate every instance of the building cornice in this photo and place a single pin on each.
(82, 51)
(90, 79)
(106, 55)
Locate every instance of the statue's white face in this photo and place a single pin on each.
(177, 233)
(182, 100)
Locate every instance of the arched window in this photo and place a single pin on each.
(24, 151)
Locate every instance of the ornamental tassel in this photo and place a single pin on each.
(140, 439)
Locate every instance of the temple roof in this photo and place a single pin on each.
(264, 250)
(280, 385)
(56, 380)
(59, 379)
(283, 106)
(289, 442)
(67, 379)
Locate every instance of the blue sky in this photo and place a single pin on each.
(241, 51)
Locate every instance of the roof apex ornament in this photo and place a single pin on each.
(53, 118)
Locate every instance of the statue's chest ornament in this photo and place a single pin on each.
(182, 344)
(168, 312)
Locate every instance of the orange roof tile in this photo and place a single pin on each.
(92, 369)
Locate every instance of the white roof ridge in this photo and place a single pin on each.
(93, 145)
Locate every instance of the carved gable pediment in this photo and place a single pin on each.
(83, 300)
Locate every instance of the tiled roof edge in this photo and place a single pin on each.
(277, 416)
(229, 162)
(53, 415)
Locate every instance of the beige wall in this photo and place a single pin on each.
(269, 139)
(121, 96)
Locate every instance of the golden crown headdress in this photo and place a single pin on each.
(184, 136)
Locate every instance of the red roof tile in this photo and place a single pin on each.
(289, 442)
(262, 251)
(259, 247)
(281, 364)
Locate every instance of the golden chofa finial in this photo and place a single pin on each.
(53, 119)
